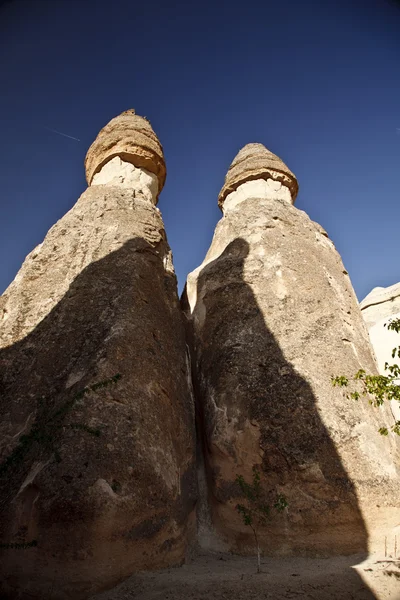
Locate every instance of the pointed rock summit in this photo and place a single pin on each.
(132, 139)
(272, 315)
(97, 448)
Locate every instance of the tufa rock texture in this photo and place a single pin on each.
(378, 308)
(97, 448)
(272, 315)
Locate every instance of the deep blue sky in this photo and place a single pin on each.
(317, 82)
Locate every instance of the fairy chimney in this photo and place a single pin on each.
(97, 474)
(272, 315)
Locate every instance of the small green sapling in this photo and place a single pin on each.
(257, 510)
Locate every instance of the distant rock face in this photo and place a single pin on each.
(381, 303)
(97, 475)
(378, 308)
(272, 315)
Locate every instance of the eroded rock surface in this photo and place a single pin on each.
(97, 481)
(272, 315)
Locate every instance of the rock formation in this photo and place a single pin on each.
(272, 315)
(97, 474)
(381, 305)
(97, 433)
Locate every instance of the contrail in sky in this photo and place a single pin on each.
(71, 137)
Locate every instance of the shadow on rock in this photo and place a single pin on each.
(97, 476)
(255, 409)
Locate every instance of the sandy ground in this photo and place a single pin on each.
(226, 577)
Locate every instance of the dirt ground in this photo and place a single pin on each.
(226, 577)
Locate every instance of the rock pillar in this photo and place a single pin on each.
(272, 315)
(97, 423)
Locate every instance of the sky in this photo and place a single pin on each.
(318, 83)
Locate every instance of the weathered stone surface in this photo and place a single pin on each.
(118, 172)
(272, 316)
(255, 162)
(132, 138)
(103, 481)
(381, 305)
(258, 188)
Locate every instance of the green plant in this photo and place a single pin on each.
(376, 388)
(115, 486)
(19, 545)
(45, 429)
(83, 427)
(257, 510)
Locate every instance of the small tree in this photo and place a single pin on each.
(257, 510)
(377, 388)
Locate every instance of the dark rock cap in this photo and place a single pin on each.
(132, 138)
(254, 161)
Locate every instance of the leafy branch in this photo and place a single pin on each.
(376, 388)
